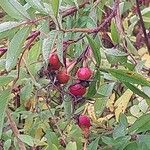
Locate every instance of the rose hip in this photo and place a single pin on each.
(54, 61)
(77, 89)
(62, 77)
(84, 73)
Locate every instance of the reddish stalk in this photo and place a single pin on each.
(143, 26)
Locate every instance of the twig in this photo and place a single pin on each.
(143, 26)
(97, 29)
(15, 130)
(19, 62)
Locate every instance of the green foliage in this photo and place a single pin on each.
(37, 112)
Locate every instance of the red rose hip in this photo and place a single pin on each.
(62, 77)
(84, 73)
(77, 90)
(54, 61)
(84, 122)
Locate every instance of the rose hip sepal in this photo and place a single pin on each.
(84, 73)
(77, 89)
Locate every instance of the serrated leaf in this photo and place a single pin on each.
(37, 5)
(130, 47)
(26, 91)
(129, 76)
(136, 90)
(142, 121)
(71, 146)
(7, 144)
(94, 145)
(68, 108)
(4, 99)
(19, 8)
(114, 32)
(48, 44)
(34, 53)
(15, 47)
(10, 10)
(27, 139)
(4, 80)
(60, 46)
(95, 49)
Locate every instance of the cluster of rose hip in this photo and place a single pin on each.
(83, 74)
(62, 77)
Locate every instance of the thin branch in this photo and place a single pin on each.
(27, 46)
(97, 29)
(143, 26)
(15, 130)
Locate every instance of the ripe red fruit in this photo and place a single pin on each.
(84, 122)
(84, 73)
(62, 77)
(77, 90)
(54, 61)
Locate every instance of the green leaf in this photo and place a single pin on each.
(6, 26)
(107, 140)
(34, 53)
(94, 144)
(52, 138)
(145, 139)
(136, 90)
(114, 32)
(54, 147)
(7, 144)
(11, 10)
(37, 5)
(141, 121)
(115, 56)
(15, 47)
(27, 139)
(26, 91)
(94, 85)
(67, 104)
(131, 146)
(60, 46)
(131, 49)
(120, 130)
(48, 44)
(19, 8)
(129, 76)
(71, 146)
(95, 49)
(4, 99)
(4, 80)
(106, 89)
(55, 6)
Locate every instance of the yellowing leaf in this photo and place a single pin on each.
(91, 112)
(106, 118)
(122, 102)
(39, 133)
(146, 57)
(110, 102)
(131, 119)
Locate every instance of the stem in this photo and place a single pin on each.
(97, 29)
(19, 62)
(143, 26)
(15, 130)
